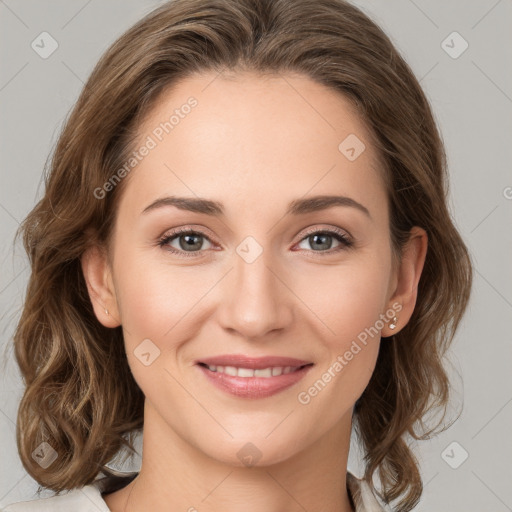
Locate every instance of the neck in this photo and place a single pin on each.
(175, 475)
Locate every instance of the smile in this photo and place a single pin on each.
(250, 372)
(253, 383)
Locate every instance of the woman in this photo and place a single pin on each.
(244, 247)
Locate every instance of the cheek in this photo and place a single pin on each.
(155, 298)
(346, 299)
(347, 302)
(155, 307)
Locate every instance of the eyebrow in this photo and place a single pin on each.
(296, 207)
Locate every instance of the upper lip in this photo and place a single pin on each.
(256, 363)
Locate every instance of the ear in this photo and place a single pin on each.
(403, 297)
(98, 277)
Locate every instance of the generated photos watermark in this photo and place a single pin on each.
(151, 142)
(342, 360)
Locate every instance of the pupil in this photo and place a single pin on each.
(190, 244)
(325, 245)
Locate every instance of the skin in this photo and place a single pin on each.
(254, 144)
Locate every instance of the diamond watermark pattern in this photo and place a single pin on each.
(44, 455)
(146, 352)
(454, 455)
(454, 45)
(249, 454)
(352, 147)
(44, 45)
(249, 249)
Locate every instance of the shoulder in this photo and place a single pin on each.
(362, 495)
(82, 499)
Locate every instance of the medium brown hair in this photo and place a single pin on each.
(80, 395)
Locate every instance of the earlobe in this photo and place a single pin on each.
(403, 299)
(97, 275)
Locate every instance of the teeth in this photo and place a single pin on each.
(249, 372)
(264, 372)
(230, 370)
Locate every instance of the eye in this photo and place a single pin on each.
(186, 240)
(322, 240)
(190, 243)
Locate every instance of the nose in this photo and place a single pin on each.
(256, 299)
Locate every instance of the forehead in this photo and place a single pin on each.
(254, 139)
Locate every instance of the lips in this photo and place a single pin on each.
(253, 377)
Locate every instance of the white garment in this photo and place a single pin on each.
(88, 498)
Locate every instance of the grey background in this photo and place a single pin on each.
(472, 100)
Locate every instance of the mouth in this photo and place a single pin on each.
(268, 372)
(253, 378)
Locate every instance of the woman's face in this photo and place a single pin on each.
(252, 279)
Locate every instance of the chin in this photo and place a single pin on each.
(253, 451)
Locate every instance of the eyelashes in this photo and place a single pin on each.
(181, 232)
(312, 236)
(344, 240)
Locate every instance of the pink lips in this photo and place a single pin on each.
(253, 387)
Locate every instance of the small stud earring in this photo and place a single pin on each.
(393, 323)
(106, 312)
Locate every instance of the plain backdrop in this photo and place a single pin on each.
(466, 468)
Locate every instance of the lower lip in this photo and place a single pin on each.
(254, 387)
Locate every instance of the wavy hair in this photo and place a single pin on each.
(80, 396)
